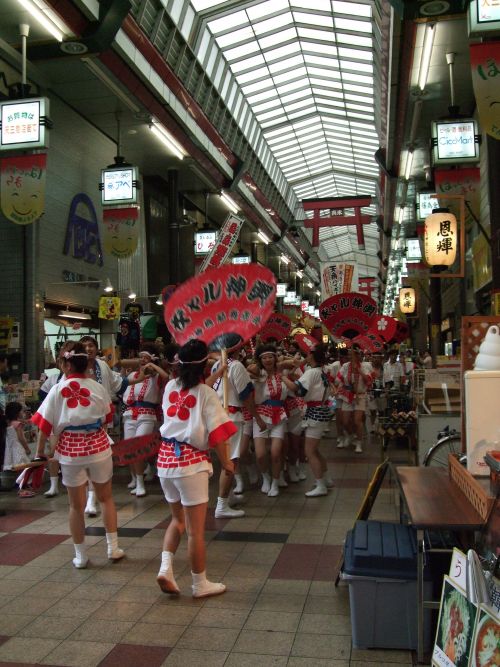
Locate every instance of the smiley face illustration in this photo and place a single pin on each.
(22, 192)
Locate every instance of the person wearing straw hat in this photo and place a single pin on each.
(194, 422)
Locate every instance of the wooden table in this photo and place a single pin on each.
(433, 502)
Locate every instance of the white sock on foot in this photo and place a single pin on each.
(202, 588)
(319, 490)
(91, 507)
(223, 511)
(165, 578)
(239, 488)
(54, 488)
(114, 551)
(80, 560)
(275, 489)
(266, 482)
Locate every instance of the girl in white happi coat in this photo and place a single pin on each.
(113, 383)
(314, 388)
(270, 394)
(142, 401)
(240, 393)
(194, 422)
(76, 410)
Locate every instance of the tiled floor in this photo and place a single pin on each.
(279, 563)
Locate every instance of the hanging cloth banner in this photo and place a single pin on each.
(22, 187)
(347, 315)
(109, 307)
(223, 307)
(337, 278)
(485, 63)
(464, 182)
(121, 231)
(225, 242)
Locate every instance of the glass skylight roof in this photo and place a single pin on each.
(306, 70)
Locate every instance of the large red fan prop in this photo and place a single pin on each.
(276, 328)
(402, 332)
(370, 342)
(132, 450)
(306, 342)
(348, 315)
(384, 326)
(223, 307)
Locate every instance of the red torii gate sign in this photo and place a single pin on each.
(367, 286)
(336, 206)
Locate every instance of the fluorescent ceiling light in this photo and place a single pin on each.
(109, 83)
(132, 295)
(425, 60)
(299, 273)
(318, 292)
(401, 214)
(408, 164)
(41, 14)
(74, 315)
(230, 203)
(159, 301)
(263, 238)
(167, 140)
(284, 259)
(310, 285)
(108, 287)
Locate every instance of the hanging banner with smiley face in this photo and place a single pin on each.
(22, 187)
(485, 63)
(121, 231)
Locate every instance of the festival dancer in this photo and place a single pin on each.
(142, 401)
(194, 422)
(314, 388)
(270, 394)
(355, 380)
(75, 410)
(240, 392)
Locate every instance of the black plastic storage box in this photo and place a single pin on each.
(380, 566)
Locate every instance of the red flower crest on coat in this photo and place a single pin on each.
(76, 395)
(182, 402)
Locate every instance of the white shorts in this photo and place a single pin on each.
(359, 403)
(189, 490)
(315, 430)
(248, 427)
(272, 431)
(77, 475)
(294, 425)
(235, 441)
(133, 428)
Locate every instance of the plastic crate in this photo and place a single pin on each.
(381, 569)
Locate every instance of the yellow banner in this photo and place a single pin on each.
(6, 324)
(481, 262)
(485, 63)
(121, 231)
(22, 187)
(109, 308)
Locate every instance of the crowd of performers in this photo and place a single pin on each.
(280, 398)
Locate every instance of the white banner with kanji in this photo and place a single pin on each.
(225, 241)
(337, 278)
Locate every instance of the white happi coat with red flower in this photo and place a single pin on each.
(194, 421)
(77, 401)
(137, 395)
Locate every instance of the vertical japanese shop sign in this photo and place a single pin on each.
(22, 187)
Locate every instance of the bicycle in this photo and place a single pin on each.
(449, 442)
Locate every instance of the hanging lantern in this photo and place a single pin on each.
(440, 238)
(407, 300)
